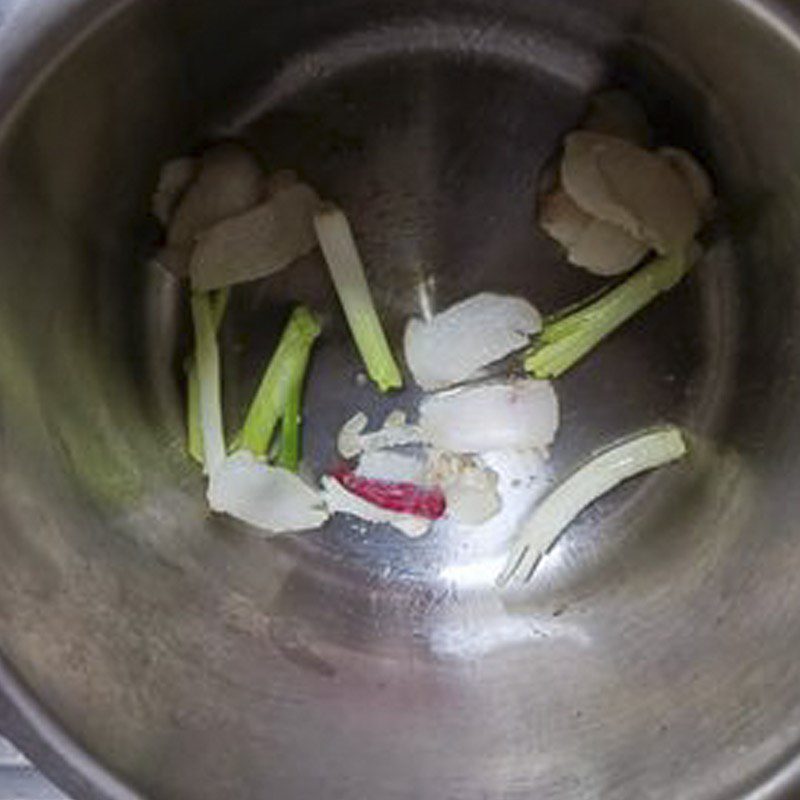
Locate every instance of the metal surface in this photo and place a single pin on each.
(19, 779)
(657, 654)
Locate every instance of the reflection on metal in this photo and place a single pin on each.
(19, 779)
(656, 654)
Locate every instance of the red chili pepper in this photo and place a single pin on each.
(405, 498)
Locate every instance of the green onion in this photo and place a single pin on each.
(282, 376)
(289, 455)
(567, 339)
(642, 452)
(194, 434)
(208, 381)
(347, 271)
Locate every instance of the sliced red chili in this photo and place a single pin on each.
(405, 498)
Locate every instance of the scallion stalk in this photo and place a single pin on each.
(567, 339)
(194, 433)
(347, 271)
(644, 451)
(285, 370)
(208, 381)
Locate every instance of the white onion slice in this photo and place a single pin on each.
(259, 242)
(618, 182)
(455, 344)
(470, 488)
(395, 433)
(269, 498)
(517, 415)
(348, 442)
(396, 419)
(392, 467)
(644, 452)
(341, 501)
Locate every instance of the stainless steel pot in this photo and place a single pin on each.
(657, 654)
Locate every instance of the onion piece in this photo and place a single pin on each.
(623, 184)
(352, 440)
(269, 498)
(392, 467)
(259, 242)
(349, 441)
(396, 419)
(517, 415)
(455, 344)
(470, 489)
(340, 501)
(643, 452)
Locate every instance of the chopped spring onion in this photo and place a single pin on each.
(289, 454)
(644, 451)
(283, 375)
(194, 444)
(347, 271)
(566, 340)
(209, 400)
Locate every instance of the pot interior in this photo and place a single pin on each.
(654, 656)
